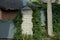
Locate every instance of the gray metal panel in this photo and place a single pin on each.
(6, 29)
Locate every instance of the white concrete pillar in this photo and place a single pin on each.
(49, 18)
(27, 22)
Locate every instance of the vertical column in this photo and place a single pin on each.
(49, 18)
(27, 22)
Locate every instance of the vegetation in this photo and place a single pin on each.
(56, 19)
(36, 24)
(27, 37)
(17, 22)
(38, 34)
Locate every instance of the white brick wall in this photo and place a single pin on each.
(27, 22)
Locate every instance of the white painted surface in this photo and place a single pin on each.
(42, 16)
(49, 18)
(27, 22)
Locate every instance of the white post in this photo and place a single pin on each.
(49, 18)
(27, 22)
